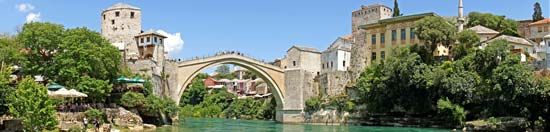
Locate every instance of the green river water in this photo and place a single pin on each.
(229, 125)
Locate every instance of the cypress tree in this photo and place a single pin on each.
(396, 11)
(537, 15)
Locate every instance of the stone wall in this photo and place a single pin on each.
(333, 83)
(359, 54)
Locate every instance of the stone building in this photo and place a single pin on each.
(335, 61)
(142, 52)
(484, 33)
(375, 41)
(301, 57)
(523, 28)
(369, 14)
(337, 56)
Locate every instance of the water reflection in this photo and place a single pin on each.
(228, 125)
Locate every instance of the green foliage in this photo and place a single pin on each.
(313, 104)
(97, 90)
(10, 51)
(243, 109)
(5, 89)
(468, 38)
(194, 94)
(451, 113)
(96, 114)
(537, 14)
(41, 40)
(382, 85)
(341, 103)
(132, 99)
(156, 106)
(30, 102)
(223, 69)
(435, 30)
(498, 23)
(396, 11)
(85, 53)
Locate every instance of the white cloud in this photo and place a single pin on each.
(24, 7)
(173, 42)
(33, 17)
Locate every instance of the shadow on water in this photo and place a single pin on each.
(229, 125)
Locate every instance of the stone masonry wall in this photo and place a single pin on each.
(333, 83)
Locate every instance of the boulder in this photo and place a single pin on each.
(123, 118)
(136, 128)
(149, 126)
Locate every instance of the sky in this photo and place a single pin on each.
(264, 29)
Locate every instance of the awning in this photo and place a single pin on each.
(54, 86)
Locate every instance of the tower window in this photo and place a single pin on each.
(161, 41)
(113, 22)
(148, 39)
(331, 65)
(141, 40)
(103, 16)
(293, 63)
(155, 39)
(344, 63)
(117, 14)
(131, 14)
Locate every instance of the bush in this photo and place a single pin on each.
(155, 105)
(452, 113)
(96, 114)
(313, 104)
(132, 99)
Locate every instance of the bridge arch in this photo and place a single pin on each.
(272, 75)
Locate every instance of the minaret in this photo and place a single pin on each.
(460, 16)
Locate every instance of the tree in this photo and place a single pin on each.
(5, 89)
(223, 69)
(396, 11)
(97, 90)
(435, 31)
(132, 100)
(194, 94)
(467, 40)
(85, 53)
(498, 23)
(10, 51)
(41, 41)
(537, 14)
(30, 102)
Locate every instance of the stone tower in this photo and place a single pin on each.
(119, 24)
(359, 51)
(460, 16)
(369, 14)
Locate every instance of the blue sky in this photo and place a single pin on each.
(261, 28)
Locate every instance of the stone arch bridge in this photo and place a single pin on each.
(181, 74)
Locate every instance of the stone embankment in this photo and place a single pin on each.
(118, 117)
(327, 117)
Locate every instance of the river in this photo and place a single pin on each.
(229, 125)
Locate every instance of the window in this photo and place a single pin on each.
(539, 29)
(148, 39)
(155, 39)
(131, 14)
(141, 40)
(373, 39)
(412, 33)
(117, 14)
(323, 66)
(103, 16)
(113, 22)
(382, 38)
(293, 63)
(161, 41)
(403, 34)
(331, 65)
(383, 55)
(393, 35)
(344, 63)
(373, 56)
